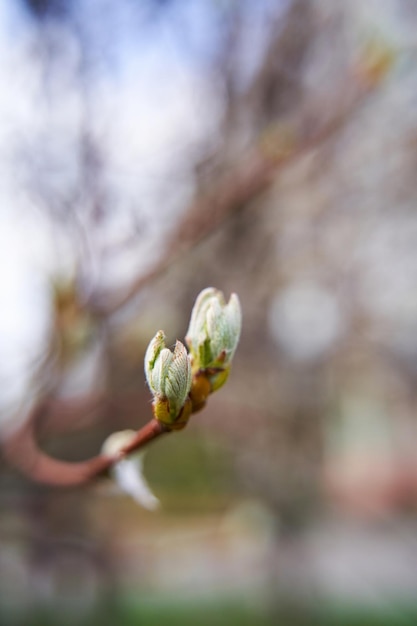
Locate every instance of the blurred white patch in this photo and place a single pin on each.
(129, 476)
(25, 316)
(31, 252)
(128, 473)
(305, 320)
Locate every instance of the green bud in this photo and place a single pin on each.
(214, 330)
(169, 377)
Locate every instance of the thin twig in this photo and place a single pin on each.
(23, 452)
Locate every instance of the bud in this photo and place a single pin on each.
(214, 332)
(169, 378)
(128, 472)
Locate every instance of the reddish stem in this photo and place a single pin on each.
(23, 452)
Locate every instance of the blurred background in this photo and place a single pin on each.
(148, 150)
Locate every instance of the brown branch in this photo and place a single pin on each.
(243, 183)
(22, 451)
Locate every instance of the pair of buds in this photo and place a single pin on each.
(181, 382)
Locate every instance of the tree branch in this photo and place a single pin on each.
(254, 174)
(22, 451)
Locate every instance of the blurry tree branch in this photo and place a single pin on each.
(23, 452)
(255, 171)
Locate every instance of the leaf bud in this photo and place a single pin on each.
(213, 334)
(169, 378)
